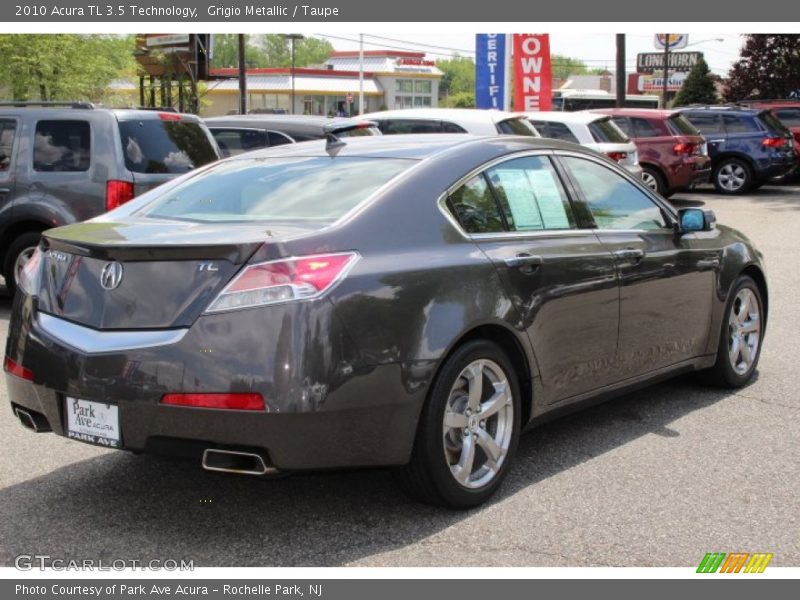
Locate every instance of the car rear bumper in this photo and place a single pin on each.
(689, 172)
(325, 409)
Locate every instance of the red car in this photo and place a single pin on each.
(787, 111)
(672, 152)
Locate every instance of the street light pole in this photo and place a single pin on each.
(666, 71)
(242, 76)
(361, 74)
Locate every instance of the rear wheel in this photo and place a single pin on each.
(740, 340)
(468, 430)
(733, 176)
(654, 179)
(17, 256)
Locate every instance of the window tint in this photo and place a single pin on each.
(774, 124)
(613, 201)
(276, 138)
(739, 124)
(474, 207)
(236, 141)
(8, 130)
(680, 125)
(705, 123)
(647, 128)
(62, 146)
(516, 126)
(267, 189)
(448, 127)
(531, 195)
(605, 131)
(788, 116)
(555, 131)
(624, 124)
(396, 126)
(165, 146)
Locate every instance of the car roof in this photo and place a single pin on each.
(580, 117)
(722, 109)
(645, 113)
(460, 115)
(410, 146)
(308, 124)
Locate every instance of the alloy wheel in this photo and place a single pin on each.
(732, 177)
(22, 259)
(744, 331)
(650, 181)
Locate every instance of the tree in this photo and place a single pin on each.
(698, 88)
(460, 100)
(63, 66)
(564, 66)
(458, 76)
(269, 50)
(769, 67)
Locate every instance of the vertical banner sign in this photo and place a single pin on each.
(533, 76)
(490, 70)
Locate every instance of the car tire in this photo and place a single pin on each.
(654, 179)
(23, 245)
(741, 336)
(475, 379)
(732, 176)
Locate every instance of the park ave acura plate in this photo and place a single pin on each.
(93, 422)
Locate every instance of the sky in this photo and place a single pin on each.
(595, 49)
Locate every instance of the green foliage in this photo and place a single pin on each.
(269, 50)
(698, 88)
(459, 76)
(459, 100)
(62, 66)
(769, 67)
(564, 66)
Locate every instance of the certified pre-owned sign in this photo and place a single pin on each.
(650, 62)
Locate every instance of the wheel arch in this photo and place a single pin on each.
(16, 229)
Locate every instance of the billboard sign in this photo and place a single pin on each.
(491, 58)
(533, 79)
(676, 41)
(653, 62)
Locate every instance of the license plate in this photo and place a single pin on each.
(93, 422)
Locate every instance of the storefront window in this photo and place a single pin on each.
(405, 86)
(422, 101)
(422, 86)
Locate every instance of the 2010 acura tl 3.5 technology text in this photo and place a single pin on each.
(412, 301)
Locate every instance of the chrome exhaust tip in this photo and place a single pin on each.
(235, 461)
(32, 420)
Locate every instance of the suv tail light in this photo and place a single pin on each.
(686, 148)
(118, 193)
(617, 156)
(774, 142)
(284, 280)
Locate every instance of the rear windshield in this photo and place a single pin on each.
(680, 125)
(788, 116)
(516, 126)
(277, 189)
(162, 146)
(605, 131)
(774, 124)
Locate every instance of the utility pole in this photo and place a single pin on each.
(360, 73)
(242, 77)
(621, 74)
(665, 89)
(292, 37)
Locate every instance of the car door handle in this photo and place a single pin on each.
(5, 190)
(634, 254)
(528, 261)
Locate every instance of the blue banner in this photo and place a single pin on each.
(490, 70)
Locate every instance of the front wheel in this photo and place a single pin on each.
(468, 430)
(742, 333)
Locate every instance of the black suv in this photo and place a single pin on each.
(67, 162)
(746, 146)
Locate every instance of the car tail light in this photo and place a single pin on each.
(118, 193)
(225, 401)
(284, 280)
(167, 116)
(617, 156)
(16, 369)
(686, 148)
(774, 142)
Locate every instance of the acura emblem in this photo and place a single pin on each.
(111, 275)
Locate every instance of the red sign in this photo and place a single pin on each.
(415, 61)
(533, 80)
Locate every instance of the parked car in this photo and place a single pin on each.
(788, 113)
(747, 146)
(236, 134)
(597, 132)
(451, 120)
(414, 301)
(672, 152)
(66, 162)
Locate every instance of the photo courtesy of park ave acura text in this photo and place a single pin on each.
(365, 294)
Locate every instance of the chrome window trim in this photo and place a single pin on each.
(92, 341)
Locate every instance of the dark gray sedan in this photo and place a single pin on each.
(412, 301)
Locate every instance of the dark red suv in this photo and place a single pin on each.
(672, 152)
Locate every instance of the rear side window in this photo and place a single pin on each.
(624, 124)
(516, 126)
(474, 207)
(555, 131)
(788, 116)
(530, 194)
(680, 125)
(448, 127)
(399, 126)
(707, 124)
(236, 141)
(605, 131)
(774, 124)
(646, 128)
(739, 124)
(277, 189)
(164, 146)
(62, 146)
(276, 138)
(8, 130)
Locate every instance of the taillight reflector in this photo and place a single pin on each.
(225, 401)
(684, 148)
(16, 369)
(167, 116)
(618, 156)
(775, 142)
(118, 193)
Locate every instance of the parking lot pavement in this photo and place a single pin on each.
(657, 478)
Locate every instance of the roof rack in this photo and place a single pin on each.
(62, 104)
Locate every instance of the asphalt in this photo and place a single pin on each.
(655, 478)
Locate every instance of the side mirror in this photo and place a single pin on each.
(696, 219)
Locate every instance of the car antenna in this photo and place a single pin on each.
(333, 143)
